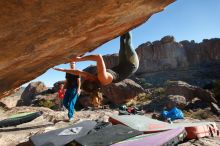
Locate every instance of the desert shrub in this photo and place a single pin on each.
(139, 99)
(142, 80)
(200, 114)
(144, 83)
(47, 103)
(187, 113)
(159, 91)
(169, 82)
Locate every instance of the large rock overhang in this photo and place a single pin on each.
(36, 35)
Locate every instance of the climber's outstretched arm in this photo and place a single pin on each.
(83, 74)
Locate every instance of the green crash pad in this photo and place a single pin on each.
(20, 118)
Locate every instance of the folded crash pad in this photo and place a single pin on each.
(20, 119)
(107, 136)
(140, 123)
(148, 125)
(63, 136)
(167, 138)
(200, 129)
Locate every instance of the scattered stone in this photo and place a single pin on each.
(202, 142)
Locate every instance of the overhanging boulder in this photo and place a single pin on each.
(36, 35)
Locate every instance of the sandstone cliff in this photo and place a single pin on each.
(166, 59)
(37, 35)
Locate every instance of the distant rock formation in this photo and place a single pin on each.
(195, 63)
(162, 55)
(31, 92)
(167, 54)
(56, 86)
(37, 35)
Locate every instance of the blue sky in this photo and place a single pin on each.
(184, 19)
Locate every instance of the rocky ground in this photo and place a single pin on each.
(198, 104)
(51, 120)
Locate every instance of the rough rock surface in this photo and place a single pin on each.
(37, 35)
(30, 92)
(12, 100)
(111, 60)
(161, 55)
(157, 104)
(179, 100)
(168, 54)
(191, 92)
(195, 63)
(122, 92)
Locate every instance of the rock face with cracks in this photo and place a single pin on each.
(36, 35)
(166, 59)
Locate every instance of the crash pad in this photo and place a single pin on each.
(63, 136)
(168, 138)
(146, 124)
(140, 123)
(107, 136)
(20, 118)
(100, 125)
(199, 129)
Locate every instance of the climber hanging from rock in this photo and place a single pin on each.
(128, 65)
